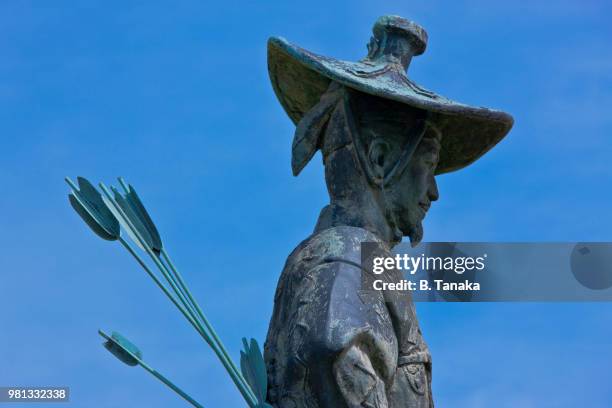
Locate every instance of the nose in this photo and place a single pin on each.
(432, 191)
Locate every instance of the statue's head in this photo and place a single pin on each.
(382, 136)
(380, 158)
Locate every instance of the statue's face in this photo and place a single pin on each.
(389, 130)
(412, 193)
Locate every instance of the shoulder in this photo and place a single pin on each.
(333, 245)
(325, 267)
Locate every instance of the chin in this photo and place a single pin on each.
(415, 233)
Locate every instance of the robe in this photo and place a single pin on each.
(333, 343)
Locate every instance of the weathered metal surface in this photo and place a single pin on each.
(383, 139)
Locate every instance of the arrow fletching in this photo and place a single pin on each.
(131, 233)
(144, 217)
(253, 369)
(128, 353)
(122, 348)
(88, 203)
(134, 218)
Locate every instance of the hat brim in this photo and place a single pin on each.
(300, 77)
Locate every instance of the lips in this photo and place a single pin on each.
(424, 206)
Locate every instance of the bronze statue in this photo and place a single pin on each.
(383, 138)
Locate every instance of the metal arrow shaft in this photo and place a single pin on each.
(219, 350)
(169, 384)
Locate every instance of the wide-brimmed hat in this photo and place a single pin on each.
(300, 77)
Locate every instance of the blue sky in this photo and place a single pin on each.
(175, 97)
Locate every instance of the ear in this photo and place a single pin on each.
(377, 158)
(309, 130)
